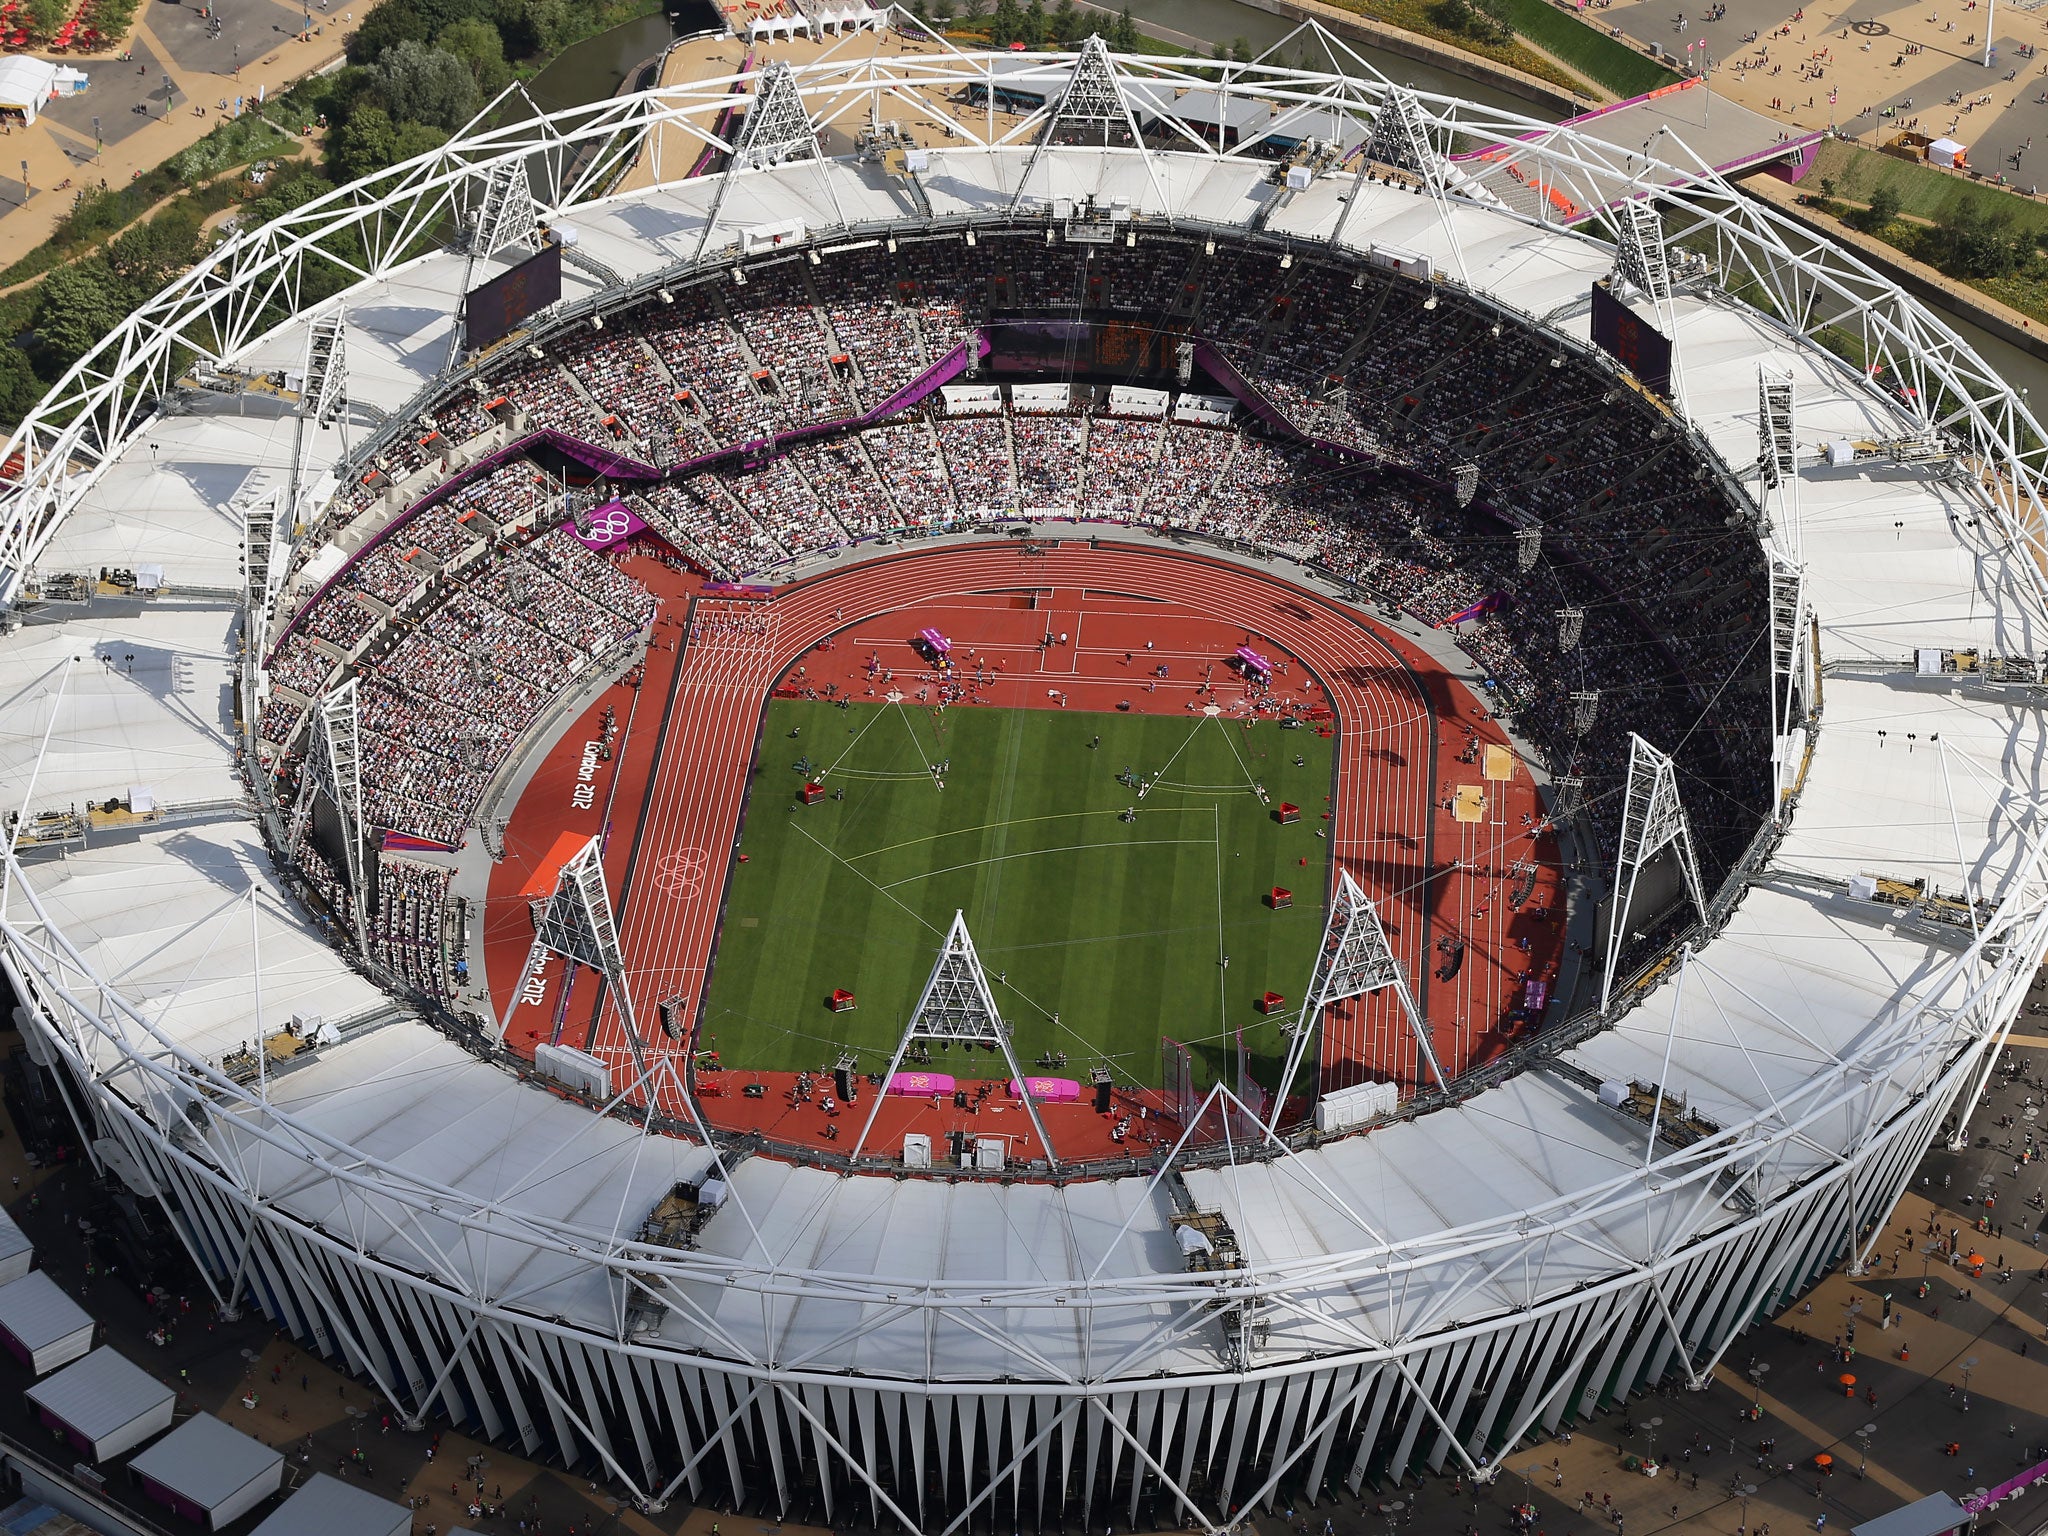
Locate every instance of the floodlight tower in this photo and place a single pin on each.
(1355, 961)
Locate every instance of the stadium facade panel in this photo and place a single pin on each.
(1604, 1208)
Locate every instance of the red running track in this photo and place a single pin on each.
(672, 798)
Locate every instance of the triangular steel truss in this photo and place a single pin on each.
(956, 1005)
(1400, 138)
(1777, 460)
(1639, 253)
(325, 394)
(508, 215)
(576, 923)
(777, 131)
(334, 769)
(1092, 98)
(1355, 960)
(1571, 623)
(1789, 639)
(1652, 819)
(259, 539)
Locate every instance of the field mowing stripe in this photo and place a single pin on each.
(1006, 797)
(1002, 858)
(919, 920)
(1222, 972)
(1015, 821)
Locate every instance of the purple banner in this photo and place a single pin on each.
(612, 523)
(1976, 1504)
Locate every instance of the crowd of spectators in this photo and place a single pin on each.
(406, 929)
(1377, 388)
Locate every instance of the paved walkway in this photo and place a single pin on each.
(1845, 63)
(259, 48)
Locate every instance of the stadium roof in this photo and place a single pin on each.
(499, 1188)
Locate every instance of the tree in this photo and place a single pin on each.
(1123, 32)
(1007, 25)
(419, 84)
(551, 22)
(43, 17)
(1883, 209)
(81, 304)
(1067, 26)
(366, 143)
(1967, 241)
(476, 42)
(1034, 25)
(383, 28)
(150, 255)
(20, 389)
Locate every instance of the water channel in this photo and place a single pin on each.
(594, 69)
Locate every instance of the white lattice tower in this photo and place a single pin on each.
(259, 539)
(1652, 819)
(1093, 97)
(1400, 137)
(325, 395)
(1777, 461)
(778, 129)
(334, 769)
(1355, 960)
(1789, 638)
(1528, 547)
(957, 1005)
(1639, 253)
(1571, 794)
(576, 923)
(1464, 484)
(1585, 710)
(508, 215)
(1571, 624)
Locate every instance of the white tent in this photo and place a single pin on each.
(326, 1506)
(40, 1325)
(26, 84)
(104, 1404)
(209, 1472)
(1947, 152)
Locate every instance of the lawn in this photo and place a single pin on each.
(1587, 48)
(1114, 928)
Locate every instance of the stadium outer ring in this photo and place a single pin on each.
(1211, 1441)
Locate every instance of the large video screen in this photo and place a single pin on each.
(1631, 341)
(1119, 347)
(503, 304)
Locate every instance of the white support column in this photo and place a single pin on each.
(1652, 819)
(1355, 961)
(777, 131)
(1789, 647)
(1642, 263)
(576, 923)
(1404, 136)
(333, 768)
(957, 1005)
(1092, 98)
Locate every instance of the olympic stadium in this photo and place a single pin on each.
(415, 609)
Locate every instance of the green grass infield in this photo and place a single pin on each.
(1101, 931)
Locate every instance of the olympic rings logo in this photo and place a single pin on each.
(610, 526)
(680, 872)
